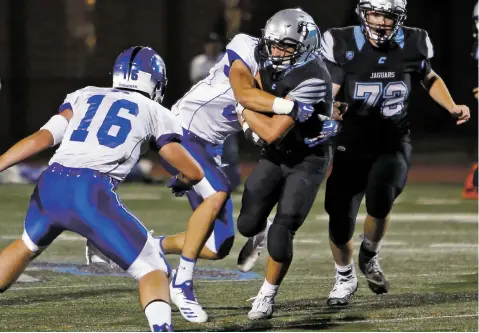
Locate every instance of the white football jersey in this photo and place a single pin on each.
(208, 108)
(110, 130)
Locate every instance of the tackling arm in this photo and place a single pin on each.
(179, 158)
(242, 82)
(47, 136)
(269, 129)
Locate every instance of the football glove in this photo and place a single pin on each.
(329, 129)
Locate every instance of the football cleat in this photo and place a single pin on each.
(184, 297)
(373, 272)
(251, 251)
(343, 289)
(262, 307)
(94, 256)
(163, 328)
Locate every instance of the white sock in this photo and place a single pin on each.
(347, 270)
(269, 289)
(371, 246)
(158, 314)
(185, 270)
(269, 223)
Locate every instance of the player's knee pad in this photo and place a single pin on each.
(225, 248)
(249, 225)
(380, 199)
(280, 243)
(341, 228)
(149, 260)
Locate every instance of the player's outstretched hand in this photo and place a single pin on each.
(302, 111)
(178, 188)
(330, 128)
(461, 113)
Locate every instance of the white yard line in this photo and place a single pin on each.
(453, 245)
(61, 237)
(68, 286)
(426, 201)
(318, 241)
(418, 217)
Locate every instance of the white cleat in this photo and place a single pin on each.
(184, 297)
(262, 307)
(251, 251)
(343, 290)
(94, 256)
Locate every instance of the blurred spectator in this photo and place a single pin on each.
(232, 19)
(202, 63)
(81, 29)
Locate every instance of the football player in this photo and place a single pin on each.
(375, 64)
(289, 172)
(102, 132)
(207, 113)
(470, 185)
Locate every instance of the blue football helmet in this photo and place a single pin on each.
(141, 69)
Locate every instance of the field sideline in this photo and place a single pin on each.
(430, 255)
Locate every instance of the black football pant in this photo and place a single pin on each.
(380, 176)
(293, 188)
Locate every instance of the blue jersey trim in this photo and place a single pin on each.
(359, 37)
(65, 106)
(167, 138)
(232, 56)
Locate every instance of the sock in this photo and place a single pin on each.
(185, 270)
(347, 270)
(371, 246)
(158, 314)
(269, 289)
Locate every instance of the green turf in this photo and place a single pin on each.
(432, 267)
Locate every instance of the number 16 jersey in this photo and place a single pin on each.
(111, 129)
(376, 82)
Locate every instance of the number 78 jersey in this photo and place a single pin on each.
(376, 81)
(111, 129)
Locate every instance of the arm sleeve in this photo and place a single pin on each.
(311, 91)
(168, 128)
(242, 48)
(426, 50)
(327, 53)
(326, 48)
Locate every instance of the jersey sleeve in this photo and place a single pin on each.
(242, 48)
(168, 128)
(327, 52)
(311, 91)
(426, 51)
(69, 101)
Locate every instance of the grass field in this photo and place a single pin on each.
(430, 255)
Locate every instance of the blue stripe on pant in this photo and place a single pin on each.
(205, 153)
(84, 201)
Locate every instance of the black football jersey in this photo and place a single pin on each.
(310, 83)
(376, 82)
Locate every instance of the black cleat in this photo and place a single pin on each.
(373, 272)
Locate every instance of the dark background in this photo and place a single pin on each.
(49, 48)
